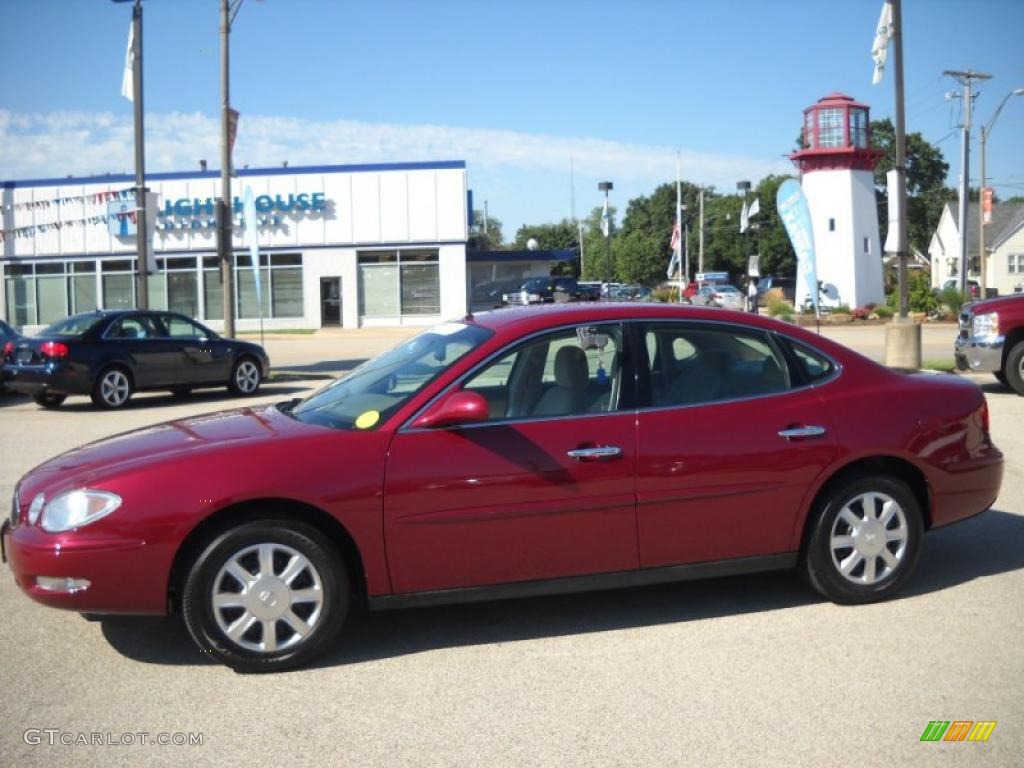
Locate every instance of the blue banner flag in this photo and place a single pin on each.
(796, 216)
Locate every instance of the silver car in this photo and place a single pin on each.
(725, 296)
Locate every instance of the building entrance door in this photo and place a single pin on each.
(330, 301)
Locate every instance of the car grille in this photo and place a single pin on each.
(515, 298)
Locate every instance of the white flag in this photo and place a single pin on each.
(744, 218)
(755, 208)
(127, 80)
(606, 220)
(880, 48)
(676, 244)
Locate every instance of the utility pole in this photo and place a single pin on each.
(141, 222)
(225, 214)
(966, 79)
(700, 246)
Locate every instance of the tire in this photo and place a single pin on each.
(1001, 378)
(839, 540)
(245, 376)
(1013, 368)
(113, 388)
(48, 399)
(302, 628)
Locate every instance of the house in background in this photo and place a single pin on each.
(1004, 246)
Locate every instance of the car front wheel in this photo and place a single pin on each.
(1013, 370)
(245, 377)
(865, 541)
(113, 388)
(266, 596)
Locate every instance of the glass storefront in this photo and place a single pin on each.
(399, 283)
(40, 293)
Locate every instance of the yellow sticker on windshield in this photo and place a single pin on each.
(367, 419)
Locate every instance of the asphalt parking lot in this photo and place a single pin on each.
(753, 670)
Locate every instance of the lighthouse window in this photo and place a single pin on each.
(867, 245)
(830, 128)
(859, 127)
(831, 225)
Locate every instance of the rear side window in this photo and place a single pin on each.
(692, 364)
(815, 366)
(76, 325)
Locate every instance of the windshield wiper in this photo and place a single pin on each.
(286, 406)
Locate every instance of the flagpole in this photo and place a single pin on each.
(679, 227)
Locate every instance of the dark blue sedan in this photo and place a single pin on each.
(111, 355)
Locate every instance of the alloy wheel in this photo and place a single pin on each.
(115, 388)
(247, 377)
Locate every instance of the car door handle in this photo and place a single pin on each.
(600, 453)
(802, 433)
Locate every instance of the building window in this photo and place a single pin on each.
(399, 283)
(859, 128)
(118, 284)
(82, 287)
(830, 128)
(1015, 263)
(20, 286)
(280, 286)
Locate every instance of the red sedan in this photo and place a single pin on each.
(520, 452)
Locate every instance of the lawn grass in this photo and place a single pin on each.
(948, 366)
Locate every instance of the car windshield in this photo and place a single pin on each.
(77, 325)
(536, 284)
(727, 289)
(366, 396)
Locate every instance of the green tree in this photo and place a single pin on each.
(648, 225)
(478, 240)
(926, 175)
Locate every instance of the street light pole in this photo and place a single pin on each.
(606, 187)
(986, 129)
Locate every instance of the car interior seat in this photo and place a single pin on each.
(569, 395)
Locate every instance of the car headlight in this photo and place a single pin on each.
(35, 508)
(78, 508)
(985, 326)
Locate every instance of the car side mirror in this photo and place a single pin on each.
(462, 407)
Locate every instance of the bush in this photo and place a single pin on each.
(861, 313)
(920, 296)
(884, 312)
(776, 303)
(666, 295)
(953, 299)
(842, 309)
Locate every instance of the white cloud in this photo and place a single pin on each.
(56, 144)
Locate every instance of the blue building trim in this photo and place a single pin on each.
(129, 179)
(492, 256)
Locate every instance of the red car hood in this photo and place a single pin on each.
(995, 304)
(226, 430)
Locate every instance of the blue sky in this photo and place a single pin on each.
(515, 89)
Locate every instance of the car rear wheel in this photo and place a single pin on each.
(1013, 369)
(49, 400)
(865, 541)
(113, 388)
(245, 377)
(266, 596)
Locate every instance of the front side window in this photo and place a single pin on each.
(571, 372)
(690, 364)
(140, 327)
(368, 395)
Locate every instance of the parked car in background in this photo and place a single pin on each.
(718, 295)
(545, 290)
(785, 284)
(991, 339)
(589, 291)
(797, 453)
(973, 287)
(7, 336)
(630, 293)
(492, 294)
(111, 355)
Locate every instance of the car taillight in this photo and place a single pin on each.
(8, 348)
(984, 418)
(54, 349)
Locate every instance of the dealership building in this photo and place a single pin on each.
(349, 246)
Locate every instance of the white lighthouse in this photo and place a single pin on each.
(837, 167)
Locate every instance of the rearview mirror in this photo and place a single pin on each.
(463, 407)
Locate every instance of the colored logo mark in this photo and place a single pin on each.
(958, 730)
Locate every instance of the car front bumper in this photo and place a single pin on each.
(113, 573)
(982, 355)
